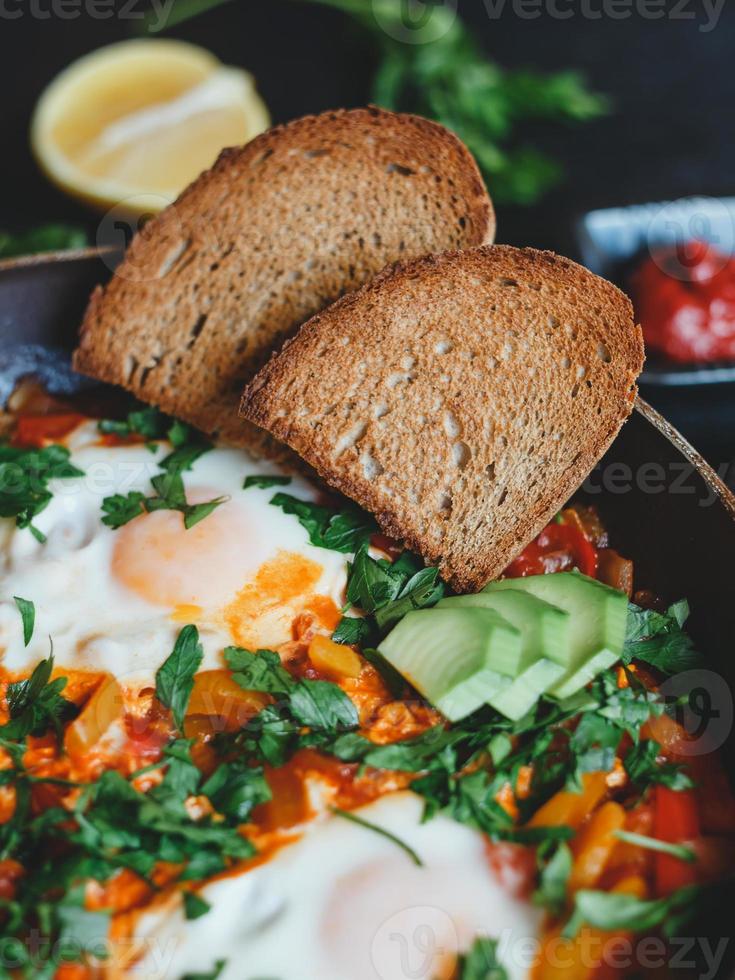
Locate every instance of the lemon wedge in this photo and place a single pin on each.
(132, 124)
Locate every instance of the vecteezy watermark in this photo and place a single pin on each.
(680, 233)
(413, 941)
(157, 11)
(701, 702)
(705, 13)
(415, 21)
(679, 478)
(421, 22)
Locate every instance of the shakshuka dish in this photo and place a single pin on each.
(305, 757)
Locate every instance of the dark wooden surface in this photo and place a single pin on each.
(669, 133)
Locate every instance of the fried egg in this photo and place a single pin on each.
(346, 902)
(115, 599)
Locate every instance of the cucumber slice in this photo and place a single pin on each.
(597, 627)
(519, 697)
(544, 628)
(445, 654)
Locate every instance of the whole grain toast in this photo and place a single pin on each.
(461, 398)
(274, 232)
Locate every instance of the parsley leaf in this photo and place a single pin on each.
(616, 910)
(345, 531)
(146, 421)
(277, 730)
(27, 612)
(261, 671)
(644, 768)
(658, 639)
(265, 482)
(172, 496)
(323, 706)
(194, 905)
(385, 592)
(235, 789)
(552, 890)
(175, 677)
(422, 590)
(353, 631)
(153, 425)
(481, 962)
(24, 481)
(119, 509)
(36, 704)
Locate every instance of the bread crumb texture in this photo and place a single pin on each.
(461, 398)
(273, 233)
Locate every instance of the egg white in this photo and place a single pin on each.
(345, 902)
(95, 620)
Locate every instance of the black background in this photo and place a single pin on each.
(670, 132)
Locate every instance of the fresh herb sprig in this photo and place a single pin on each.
(436, 68)
(45, 238)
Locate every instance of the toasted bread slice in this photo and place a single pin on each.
(461, 398)
(274, 232)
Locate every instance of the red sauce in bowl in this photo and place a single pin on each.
(685, 301)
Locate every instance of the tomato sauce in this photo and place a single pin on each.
(686, 306)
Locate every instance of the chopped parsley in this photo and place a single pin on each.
(27, 612)
(385, 591)
(146, 422)
(276, 732)
(556, 866)
(194, 905)
(344, 531)
(617, 910)
(152, 425)
(643, 765)
(36, 704)
(481, 962)
(175, 677)
(25, 475)
(119, 509)
(188, 445)
(266, 481)
(659, 639)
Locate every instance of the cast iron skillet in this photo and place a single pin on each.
(663, 505)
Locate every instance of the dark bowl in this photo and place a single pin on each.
(663, 505)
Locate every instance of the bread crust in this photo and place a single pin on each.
(461, 398)
(274, 232)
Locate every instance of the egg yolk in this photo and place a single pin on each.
(263, 610)
(159, 559)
